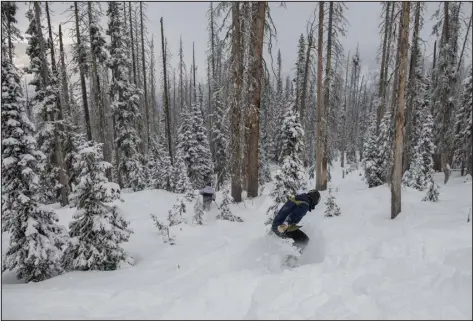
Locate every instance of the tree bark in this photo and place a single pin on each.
(344, 117)
(321, 179)
(65, 88)
(259, 10)
(82, 77)
(237, 73)
(166, 98)
(144, 77)
(397, 164)
(382, 76)
(411, 91)
(132, 43)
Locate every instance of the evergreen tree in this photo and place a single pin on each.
(36, 240)
(463, 125)
(300, 68)
(291, 177)
(220, 139)
(224, 210)
(432, 192)
(421, 171)
(44, 103)
(125, 104)
(160, 171)
(180, 179)
(98, 228)
(201, 167)
(378, 159)
(370, 156)
(331, 207)
(198, 212)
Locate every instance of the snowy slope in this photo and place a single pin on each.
(361, 265)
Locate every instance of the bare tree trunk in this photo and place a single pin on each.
(397, 164)
(259, 10)
(65, 89)
(326, 102)
(321, 178)
(132, 43)
(58, 155)
(193, 72)
(237, 73)
(344, 120)
(144, 77)
(388, 54)
(411, 85)
(382, 76)
(446, 112)
(166, 98)
(82, 76)
(464, 44)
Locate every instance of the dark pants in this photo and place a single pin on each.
(300, 238)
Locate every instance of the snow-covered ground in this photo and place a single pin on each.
(361, 265)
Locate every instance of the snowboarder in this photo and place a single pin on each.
(284, 223)
(208, 195)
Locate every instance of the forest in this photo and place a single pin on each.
(113, 116)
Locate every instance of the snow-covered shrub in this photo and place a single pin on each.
(331, 207)
(432, 192)
(198, 212)
(176, 215)
(224, 209)
(163, 230)
(36, 239)
(98, 228)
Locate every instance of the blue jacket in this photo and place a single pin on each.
(292, 212)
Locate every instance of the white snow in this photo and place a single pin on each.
(360, 265)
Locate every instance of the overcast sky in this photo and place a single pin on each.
(189, 20)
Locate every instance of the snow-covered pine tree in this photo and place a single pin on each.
(291, 177)
(180, 179)
(125, 98)
(421, 171)
(163, 230)
(201, 167)
(160, 171)
(463, 126)
(198, 217)
(382, 163)
(370, 156)
(98, 228)
(224, 210)
(220, 138)
(36, 240)
(331, 207)
(432, 192)
(43, 103)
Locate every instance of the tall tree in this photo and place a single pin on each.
(34, 252)
(148, 133)
(124, 96)
(82, 72)
(259, 11)
(166, 97)
(237, 73)
(321, 174)
(398, 141)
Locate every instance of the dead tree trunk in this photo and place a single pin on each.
(144, 77)
(166, 98)
(65, 88)
(382, 75)
(237, 73)
(259, 10)
(397, 164)
(411, 92)
(82, 75)
(321, 176)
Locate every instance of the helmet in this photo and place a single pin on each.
(314, 197)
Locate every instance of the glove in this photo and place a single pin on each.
(282, 228)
